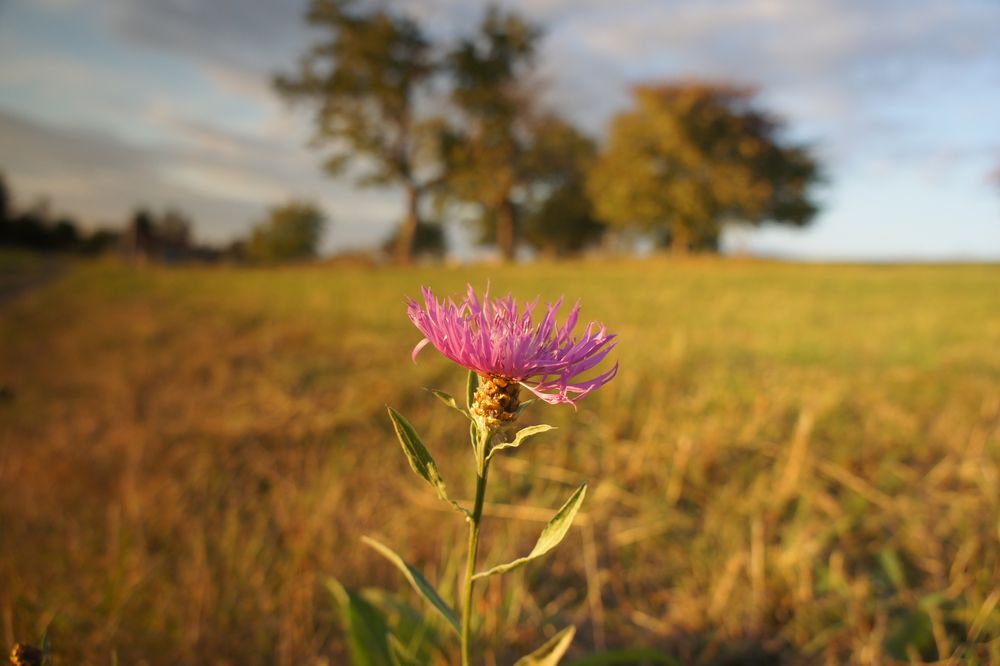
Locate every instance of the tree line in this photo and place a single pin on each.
(37, 228)
(461, 127)
(289, 232)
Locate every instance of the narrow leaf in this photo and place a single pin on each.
(474, 435)
(366, 627)
(522, 434)
(45, 645)
(419, 457)
(470, 389)
(522, 405)
(400, 655)
(550, 653)
(450, 401)
(417, 580)
(553, 533)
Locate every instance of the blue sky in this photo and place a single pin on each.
(108, 104)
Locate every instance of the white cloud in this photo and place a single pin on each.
(102, 179)
(225, 182)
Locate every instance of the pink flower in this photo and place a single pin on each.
(492, 338)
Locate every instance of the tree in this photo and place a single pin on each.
(486, 156)
(559, 218)
(362, 78)
(6, 209)
(31, 227)
(291, 232)
(64, 234)
(428, 241)
(173, 233)
(692, 157)
(100, 240)
(139, 239)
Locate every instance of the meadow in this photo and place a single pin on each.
(796, 464)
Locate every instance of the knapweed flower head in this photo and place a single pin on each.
(502, 343)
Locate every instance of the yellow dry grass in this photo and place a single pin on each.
(799, 464)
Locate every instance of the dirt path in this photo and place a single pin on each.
(16, 283)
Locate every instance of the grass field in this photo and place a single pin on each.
(796, 464)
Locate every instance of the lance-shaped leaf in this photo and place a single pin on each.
(474, 437)
(400, 655)
(45, 645)
(366, 627)
(550, 653)
(419, 583)
(450, 401)
(419, 457)
(553, 533)
(470, 389)
(522, 434)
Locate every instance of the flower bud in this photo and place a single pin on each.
(495, 402)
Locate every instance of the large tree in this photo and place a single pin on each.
(429, 241)
(559, 217)
(691, 157)
(291, 232)
(487, 153)
(363, 77)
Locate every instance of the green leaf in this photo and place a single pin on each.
(450, 401)
(474, 435)
(45, 645)
(470, 396)
(419, 583)
(553, 533)
(911, 630)
(522, 434)
(893, 567)
(419, 457)
(400, 655)
(366, 627)
(470, 389)
(550, 653)
(417, 630)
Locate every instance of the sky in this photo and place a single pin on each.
(110, 104)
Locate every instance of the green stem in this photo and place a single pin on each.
(470, 566)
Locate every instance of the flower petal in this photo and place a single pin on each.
(493, 336)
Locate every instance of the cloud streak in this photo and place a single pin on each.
(102, 178)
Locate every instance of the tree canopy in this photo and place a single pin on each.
(691, 157)
(362, 78)
(429, 241)
(290, 232)
(559, 218)
(486, 154)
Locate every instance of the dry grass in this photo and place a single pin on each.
(796, 464)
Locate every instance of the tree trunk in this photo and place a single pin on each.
(680, 240)
(408, 230)
(505, 230)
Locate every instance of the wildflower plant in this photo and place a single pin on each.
(506, 353)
